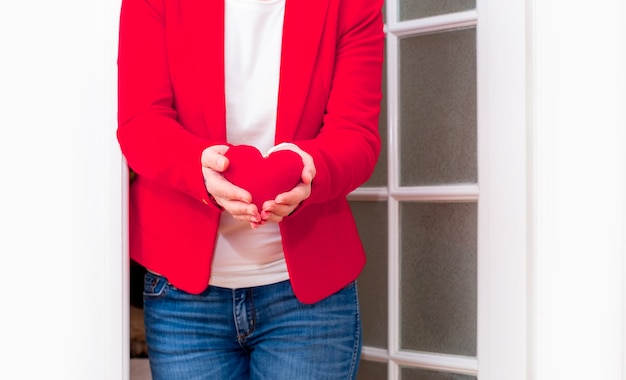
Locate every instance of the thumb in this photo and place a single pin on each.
(213, 158)
(307, 176)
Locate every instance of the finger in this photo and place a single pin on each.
(213, 158)
(248, 215)
(276, 209)
(221, 188)
(255, 225)
(294, 196)
(241, 210)
(307, 176)
(273, 218)
(230, 192)
(308, 171)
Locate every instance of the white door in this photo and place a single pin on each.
(443, 217)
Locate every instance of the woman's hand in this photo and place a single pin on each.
(286, 203)
(233, 199)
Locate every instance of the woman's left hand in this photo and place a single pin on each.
(286, 203)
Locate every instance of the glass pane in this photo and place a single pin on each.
(372, 371)
(438, 277)
(420, 374)
(379, 177)
(384, 10)
(371, 218)
(438, 108)
(411, 9)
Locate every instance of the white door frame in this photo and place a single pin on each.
(503, 205)
(501, 192)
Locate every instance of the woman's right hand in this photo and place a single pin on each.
(233, 199)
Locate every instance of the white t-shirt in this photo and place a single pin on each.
(253, 37)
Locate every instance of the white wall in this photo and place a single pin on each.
(578, 189)
(60, 192)
(502, 237)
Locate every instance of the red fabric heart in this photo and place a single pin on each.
(263, 177)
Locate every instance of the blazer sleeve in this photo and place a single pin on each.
(347, 147)
(154, 143)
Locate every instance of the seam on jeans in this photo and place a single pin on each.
(252, 313)
(251, 322)
(357, 335)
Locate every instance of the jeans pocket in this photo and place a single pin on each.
(154, 286)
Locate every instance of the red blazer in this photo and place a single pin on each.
(172, 107)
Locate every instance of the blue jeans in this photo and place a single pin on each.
(259, 333)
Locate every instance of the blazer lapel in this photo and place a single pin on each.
(206, 19)
(302, 31)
